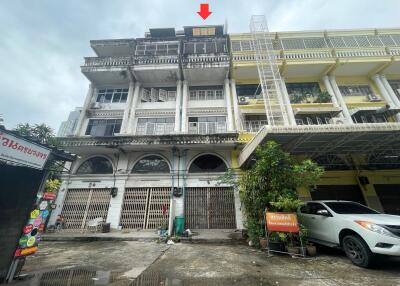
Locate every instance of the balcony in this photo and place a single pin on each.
(111, 70)
(254, 126)
(117, 47)
(207, 127)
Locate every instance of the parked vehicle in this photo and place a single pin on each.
(361, 232)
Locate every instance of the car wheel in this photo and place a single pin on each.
(358, 251)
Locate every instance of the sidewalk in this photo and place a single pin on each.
(214, 236)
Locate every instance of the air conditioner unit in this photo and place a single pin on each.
(373, 98)
(243, 100)
(338, 121)
(95, 105)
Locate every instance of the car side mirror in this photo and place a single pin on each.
(323, 213)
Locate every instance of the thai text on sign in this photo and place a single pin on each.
(282, 222)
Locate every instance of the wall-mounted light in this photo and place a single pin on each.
(114, 192)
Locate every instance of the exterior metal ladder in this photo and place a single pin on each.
(268, 71)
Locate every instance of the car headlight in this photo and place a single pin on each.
(374, 227)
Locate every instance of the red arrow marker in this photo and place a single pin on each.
(204, 11)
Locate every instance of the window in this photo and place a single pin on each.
(151, 164)
(206, 47)
(204, 31)
(157, 49)
(249, 90)
(207, 164)
(96, 165)
(355, 90)
(103, 127)
(349, 208)
(158, 95)
(313, 208)
(209, 94)
(207, 125)
(155, 126)
(117, 95)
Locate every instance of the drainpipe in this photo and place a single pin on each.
(171, 201)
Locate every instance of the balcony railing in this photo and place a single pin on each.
(150, 128)
(254, 125)
(207, 127)
(361, 53)
(107, 61)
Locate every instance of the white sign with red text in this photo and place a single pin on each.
(20, 151)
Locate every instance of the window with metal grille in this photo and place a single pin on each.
(96, 165)
(157, 49)
(207, 125)
(355, 90)
(103, 127)
(151, 164)
(387, 40)
(336, 42)
(362, 41)
(293, 44)
(208, 164)
(114, 95)
(235, 46)
(350, 41)
(155, 126)
(315, 43)
(375, 41)
(158, 95)
(396, 39)
(209, 94)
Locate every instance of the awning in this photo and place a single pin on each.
(320, 110)
(317, 140)
(374, 110)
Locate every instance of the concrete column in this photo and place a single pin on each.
(340, 99)
(86, 106)
(114, 211)
(178, 106)
(185, 96)
(390, 91)
(236, 110)
(228, 98)
(289, 110)
(329, 89)
(384, 93)
(126, 118)
(135, 102)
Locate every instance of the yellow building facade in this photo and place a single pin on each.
(334, 80)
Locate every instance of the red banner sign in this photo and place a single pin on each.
(49, 196)
(282, 222)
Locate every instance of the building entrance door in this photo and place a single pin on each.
(83, 205)
(145, 208)
(210, 208)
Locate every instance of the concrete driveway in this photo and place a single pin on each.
(138, 263)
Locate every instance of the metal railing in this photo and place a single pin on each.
(107, 61)
(254, 125)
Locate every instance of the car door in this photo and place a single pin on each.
(305, 218)
(320, 226)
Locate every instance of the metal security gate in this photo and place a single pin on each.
(83, 205)
(143, 208)
(210, 208)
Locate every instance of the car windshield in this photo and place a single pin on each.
(349, 208)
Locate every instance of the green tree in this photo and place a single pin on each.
(272, 183)
(40, 132)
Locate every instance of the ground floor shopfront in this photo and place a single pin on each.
(146, 202)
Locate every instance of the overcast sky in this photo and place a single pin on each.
(43, 42)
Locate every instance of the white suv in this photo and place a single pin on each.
(360, 231)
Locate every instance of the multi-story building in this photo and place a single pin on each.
(68, 127)
(166, 115)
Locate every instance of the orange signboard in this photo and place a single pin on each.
(282, 222)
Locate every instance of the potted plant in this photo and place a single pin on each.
(277, 241)
(263, 242)
(303, 239)
(311, 249)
